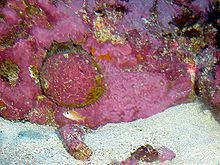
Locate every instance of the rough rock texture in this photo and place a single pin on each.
(209, 80)
(71, 80)
(20, 97)
(72, 136)
(112, 61)
(147, 153)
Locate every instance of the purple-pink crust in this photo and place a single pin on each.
(147, 153)
(110, 61)
(18, 97)
(165, 154)
(73, 136)
(129, 96)
(71, 79)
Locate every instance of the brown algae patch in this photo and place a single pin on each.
(9, 72)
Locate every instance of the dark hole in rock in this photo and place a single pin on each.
(212, 17)
(3, 3)
(186, 19)
(192, 33)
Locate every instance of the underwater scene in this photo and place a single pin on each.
(109, 82)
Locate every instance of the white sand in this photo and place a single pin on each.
(186, 129)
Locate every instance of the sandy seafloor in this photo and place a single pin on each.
(188, 129)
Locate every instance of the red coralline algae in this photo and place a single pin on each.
(108, 61)
(72, 136)
(20, 91)
(147, 153)
(165, 154)
(71, 79)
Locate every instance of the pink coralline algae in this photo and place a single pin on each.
(147, 153)
(73, 140)
(105, 61)
(71, 79)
